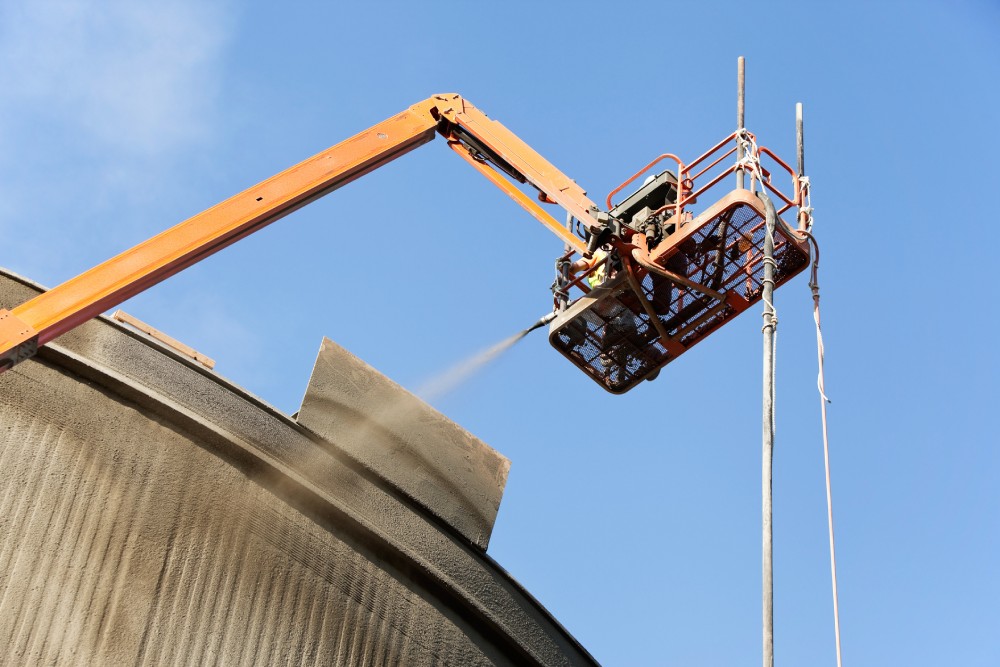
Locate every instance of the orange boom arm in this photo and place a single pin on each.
(486, 144)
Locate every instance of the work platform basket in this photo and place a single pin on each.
(656, 304)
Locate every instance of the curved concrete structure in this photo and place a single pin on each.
(153, 513)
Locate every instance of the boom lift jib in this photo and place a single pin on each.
(671, 278)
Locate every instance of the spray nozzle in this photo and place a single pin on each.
(542, 321)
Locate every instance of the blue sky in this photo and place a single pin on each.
(634, 519)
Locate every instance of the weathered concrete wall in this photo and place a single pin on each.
(153, 513)
(423, 453)
(125, 542)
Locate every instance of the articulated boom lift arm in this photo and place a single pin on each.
(485, 144)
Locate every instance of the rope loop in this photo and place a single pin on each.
(805, 199)
(750, 162)
(770, 312)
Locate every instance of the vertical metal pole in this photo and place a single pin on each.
(800, 151)
(768, 439)
(800, 145)
(740, 108)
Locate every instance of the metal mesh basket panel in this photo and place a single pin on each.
(609, 334)
(725, 254)
(612, 340)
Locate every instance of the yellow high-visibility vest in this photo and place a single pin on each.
(597, 276)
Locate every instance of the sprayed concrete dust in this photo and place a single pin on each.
(405, 441)
(457, 375)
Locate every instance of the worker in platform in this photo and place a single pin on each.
(598, 275)
(620, 336)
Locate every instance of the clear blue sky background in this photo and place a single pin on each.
(634, 519)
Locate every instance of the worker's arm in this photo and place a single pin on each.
(583, 264)
(486, 144)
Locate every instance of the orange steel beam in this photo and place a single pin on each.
(537, 170)
(105, 286)
(524, 200)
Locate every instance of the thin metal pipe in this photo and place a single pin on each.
(740, 108)
(770, 324)
(800, 139)
(800, 150)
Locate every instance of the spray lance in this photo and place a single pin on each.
(542, 321)
(458, 374)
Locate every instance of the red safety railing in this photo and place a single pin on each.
(692, 184)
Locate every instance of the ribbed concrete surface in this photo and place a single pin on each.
(153, 513)
(141, 548)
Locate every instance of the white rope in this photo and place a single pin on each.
(824, 400)
(821, 352)
(769, 226)
(750, 162)
(770, 312)
(805, 191)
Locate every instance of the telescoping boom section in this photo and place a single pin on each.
(674, 282)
